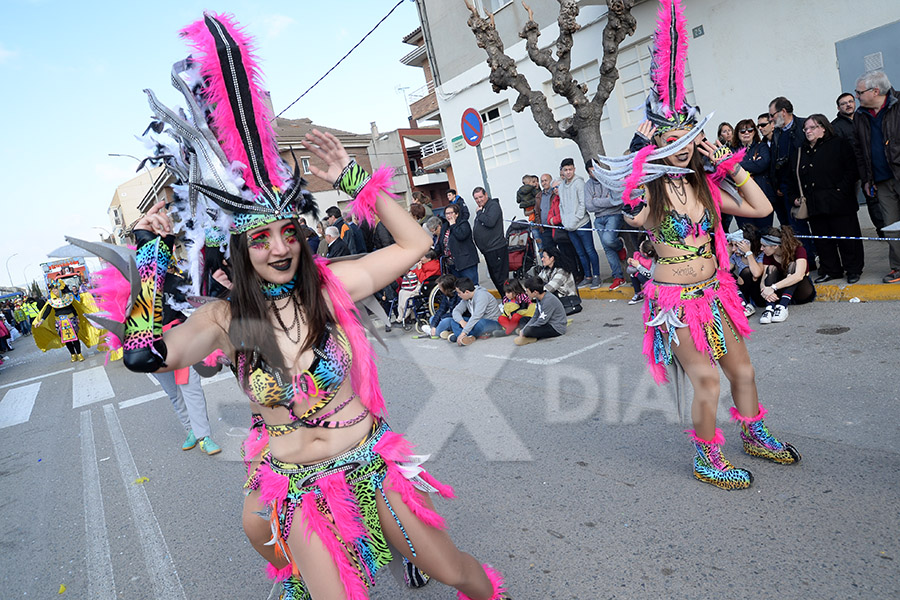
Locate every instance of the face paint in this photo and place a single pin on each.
(259, 241)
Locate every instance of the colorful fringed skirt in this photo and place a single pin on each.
(337, 500)
(706, 308)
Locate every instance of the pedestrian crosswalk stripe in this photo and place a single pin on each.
(89, 386)
(21, 381)
(17, 403)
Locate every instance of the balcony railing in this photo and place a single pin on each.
(420, 93)
(433, 147)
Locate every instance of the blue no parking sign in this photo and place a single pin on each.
(472, 127)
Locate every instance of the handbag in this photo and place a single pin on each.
(802, 211)
(572, 304)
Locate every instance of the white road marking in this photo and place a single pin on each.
(15, 383)
(558, 359)
(161, 570)
(89, 386)
(161, 394)
(101, 583)
(17, 404)
(152, 378)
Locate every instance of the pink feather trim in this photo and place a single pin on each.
(497, 584)
(718, 438)
(736, 416)
(112, 292)
(276, 574)
(727, 166)
(273, 487)
(662, 54)
(637, 171)
(213, 359)
(394, 448)
(216, 93)
(363, 207)
(443, 490)
(253, 447)
(343, 506)
(364, 373)
(316, 523)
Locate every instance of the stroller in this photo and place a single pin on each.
(522, 247)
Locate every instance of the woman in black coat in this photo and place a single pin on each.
(756, 162)
(826, 169)
(462, 247)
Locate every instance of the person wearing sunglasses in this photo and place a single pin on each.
(756, 162)
(875, 125)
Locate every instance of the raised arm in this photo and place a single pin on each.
(365, 276)
(755, 203)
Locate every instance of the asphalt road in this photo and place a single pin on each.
(572, 472)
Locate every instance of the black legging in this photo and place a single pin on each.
(750, 288)
(800, 293)
(540, 331)
(74, 347)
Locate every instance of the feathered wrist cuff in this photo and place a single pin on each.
(352, 179)
(144, 349)
(363, 206)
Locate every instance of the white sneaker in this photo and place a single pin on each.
(766, 317)
(780, 315)
(426, 329)
(749, 309)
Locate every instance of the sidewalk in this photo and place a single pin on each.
(869, 288)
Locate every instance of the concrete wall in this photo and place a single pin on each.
(746, 56)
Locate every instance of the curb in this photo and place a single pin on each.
(865, 292)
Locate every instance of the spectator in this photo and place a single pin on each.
(745, 258)
(334, 218)
(458, 201)
(410, 285)
(608, 220)
(517, 304)
(489, 238)
(381, 237)
(757, 161)
(826, 170)
(483, 313)
(418, 213)
(322, 250)
(359, 240)
(559, 280)
(788, 138)
(574, 218)
(549, 319)
(526, 196)
(437, 226)
(843, 126)
(458, 243)
(766, 128)
(725, 136)
(876, 127)
(542, 208)
(334, 244)
(309, 234)
(786, 278)
(639, 268)
(443, 316)
(423, 200)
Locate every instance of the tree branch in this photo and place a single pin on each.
(620, 23)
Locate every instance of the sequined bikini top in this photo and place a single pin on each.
(672, 231)
(319, 383)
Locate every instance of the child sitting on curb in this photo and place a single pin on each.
(639, 267)
(549, 319)
(517, 305)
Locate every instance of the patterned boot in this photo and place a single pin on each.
(711, 467)
(759, 442)
(292, 586)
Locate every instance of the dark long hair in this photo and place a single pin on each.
(659, 200)
(251, 327)
(789, 243)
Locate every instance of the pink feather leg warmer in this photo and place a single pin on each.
(276, 574)
(738, 417)
(497, 584)
(718, 438)
(363, 206)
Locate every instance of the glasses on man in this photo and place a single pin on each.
(745, 130)
(861, 92)
(762, 125)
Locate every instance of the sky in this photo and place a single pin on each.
(72, 76)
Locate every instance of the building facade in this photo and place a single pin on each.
(741, 56)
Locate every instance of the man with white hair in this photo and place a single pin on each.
(876, 127)
(336, 246)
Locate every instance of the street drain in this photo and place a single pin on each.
(833, 330)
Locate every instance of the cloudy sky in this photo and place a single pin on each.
(72, 75)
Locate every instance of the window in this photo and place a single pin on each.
(499, 145)
(493, 6)
(634, 80)
(304, 162)
(589, 75)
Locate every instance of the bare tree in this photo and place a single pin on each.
(584, 126)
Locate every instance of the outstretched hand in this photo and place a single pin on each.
(330, 151)
(156, 220)
(647, 129)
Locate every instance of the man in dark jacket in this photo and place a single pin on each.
(460, 244)
(457, 200)
(876, 126)
(334, 218)
(336, 246)
(489, 238)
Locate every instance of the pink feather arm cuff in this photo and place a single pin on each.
(363, 207)
(637, 170)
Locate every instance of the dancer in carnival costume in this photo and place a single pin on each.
(336, 487)
(62, 322)
(677, 187)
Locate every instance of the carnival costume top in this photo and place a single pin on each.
(707, 307)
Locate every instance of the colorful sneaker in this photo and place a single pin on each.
(412, 576)
(766, 317)
(759, 442)
(711, 467)
(780, 315)
(892, 277)
(209, 446)
(617, 283)
(190, 442)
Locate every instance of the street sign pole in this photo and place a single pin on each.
(473, 132)
(487, 186)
